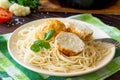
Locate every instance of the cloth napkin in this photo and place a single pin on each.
(11, 70)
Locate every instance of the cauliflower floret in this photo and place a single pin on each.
(5, 4)
(19, 10)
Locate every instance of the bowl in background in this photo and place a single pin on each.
(86, 4)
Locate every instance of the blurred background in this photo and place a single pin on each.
(86, 4)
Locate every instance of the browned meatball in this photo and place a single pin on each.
(51, 24)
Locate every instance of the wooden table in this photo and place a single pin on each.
(113, 20)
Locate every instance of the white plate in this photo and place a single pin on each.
(97, 34)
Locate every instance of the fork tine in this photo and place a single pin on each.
(110, 40)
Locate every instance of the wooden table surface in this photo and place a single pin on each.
(113, 20)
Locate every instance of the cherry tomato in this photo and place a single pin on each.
(5, 15)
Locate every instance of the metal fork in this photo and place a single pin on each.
(109, 40)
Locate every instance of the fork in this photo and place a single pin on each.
(109, 40)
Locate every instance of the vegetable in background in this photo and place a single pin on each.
(5, 15)
(5, 4)
(19, 10)
(30, 3)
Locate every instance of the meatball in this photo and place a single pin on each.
(69, 43)
(50, 24)
(82, 30)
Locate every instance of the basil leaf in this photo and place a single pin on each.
(39, 45)
(35, 48)
(46, 45)
(43, 43)
(48, 35)
(41, 48)
(39, 42)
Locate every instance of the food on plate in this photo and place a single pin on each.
(19, 10)
(41, 44)
(66, 53)
(5, 4)
(82, 30)
(5, 15)
(69, 43)
(51, 24)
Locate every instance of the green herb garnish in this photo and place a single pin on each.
(35, 47)
(41, 44)
(30, 3)
(48, 35)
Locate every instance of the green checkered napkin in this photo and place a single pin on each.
(10, 70)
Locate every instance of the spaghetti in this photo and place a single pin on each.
(53, 60)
